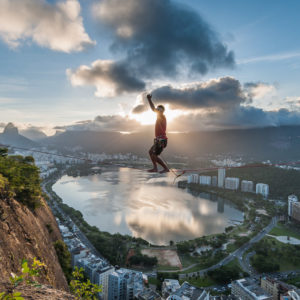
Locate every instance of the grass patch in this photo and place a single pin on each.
(231, 247)
(200, 281)
(234, 264)
(152, 280)
(167, 268)
(270, 252)
(281, 230)
(187, 260)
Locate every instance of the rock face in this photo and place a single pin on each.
(10, 129)
(27, 234)
(11, 137)
(42, 293)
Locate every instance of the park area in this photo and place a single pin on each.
(165, 257)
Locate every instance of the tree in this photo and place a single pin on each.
(64, 258)
(3, 152)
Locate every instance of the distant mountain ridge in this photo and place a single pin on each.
(11, 137)
(280, 143)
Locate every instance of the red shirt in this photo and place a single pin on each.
(161, 127)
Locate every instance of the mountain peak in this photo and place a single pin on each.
(11, 129)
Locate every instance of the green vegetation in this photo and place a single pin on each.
(144, 260)
(227, 273)
(206, 260)
(83, 289)
(20, 178)
(294, 280)
(281, 230)
(28, 276)
(272, 255)
(222, 275)
(200, 281)
(282, 182)
(64, 257)
(114, 247)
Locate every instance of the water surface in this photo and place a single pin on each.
(145, 205)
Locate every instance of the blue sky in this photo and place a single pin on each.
(35, 89)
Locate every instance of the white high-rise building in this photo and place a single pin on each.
(124, 284)
(232, 183)
(291, 199)
(205, 180)
(101, 278)
(221, 177)
(193, 178)
(247, 186)
(263, 189)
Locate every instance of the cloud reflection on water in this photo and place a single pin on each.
(137, 203)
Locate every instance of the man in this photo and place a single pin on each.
(161, 140)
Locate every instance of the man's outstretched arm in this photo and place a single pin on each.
(149, 97)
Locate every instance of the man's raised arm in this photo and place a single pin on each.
(149, 97)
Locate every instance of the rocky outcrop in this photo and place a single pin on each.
(42, 293)
(11, 137)
(24, 235)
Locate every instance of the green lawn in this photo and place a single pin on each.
(231, 247)
(187, 260)
(200, 281)
(281, 230)
(285, 255)
(153, 281)
(166, 268)
(234, 263)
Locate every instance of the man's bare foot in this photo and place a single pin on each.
(164, 171)
(152, 170)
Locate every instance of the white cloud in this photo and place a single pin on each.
(110, 78)
(58, 27)
(270, 57)
(258, 90)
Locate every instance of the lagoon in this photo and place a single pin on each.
(145, 205)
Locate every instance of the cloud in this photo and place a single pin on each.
(237, 118)
(270, 57)
(219, 93)
(56, 26)
(162, 37)
(104, 123)
(110, 78)
(259, 89)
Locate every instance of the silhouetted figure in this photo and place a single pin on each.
(161, 140)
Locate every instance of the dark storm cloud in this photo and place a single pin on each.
(110, 78)
(237, 117)
(162, 37)
(221, 93)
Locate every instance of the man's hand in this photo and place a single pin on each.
(149, 97)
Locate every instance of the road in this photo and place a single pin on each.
(238, 253)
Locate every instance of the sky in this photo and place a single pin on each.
(88, 64)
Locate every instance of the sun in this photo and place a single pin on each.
(149, 117)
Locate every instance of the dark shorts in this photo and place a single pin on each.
(158, 146)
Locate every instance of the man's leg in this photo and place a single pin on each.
(154, 160)
(159, 161)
